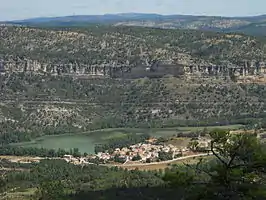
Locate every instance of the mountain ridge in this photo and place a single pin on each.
(256, 17)
(251, 25)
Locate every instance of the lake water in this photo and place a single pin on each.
(83, 142)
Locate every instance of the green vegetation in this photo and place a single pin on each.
(34, 105)
(106, 44)
(93, 104)
(163, 156)
(56, 178)
(42, 152)
(128, 140)
(236, 171)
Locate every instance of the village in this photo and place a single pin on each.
(147, 152)
(150, 151)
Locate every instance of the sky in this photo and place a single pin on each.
(23, 9)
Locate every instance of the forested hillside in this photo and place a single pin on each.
(120, 45)
(35, 104)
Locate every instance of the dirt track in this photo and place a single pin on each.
(160, 163)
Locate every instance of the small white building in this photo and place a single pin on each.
(68, 156)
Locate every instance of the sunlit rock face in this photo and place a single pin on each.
(155, 70)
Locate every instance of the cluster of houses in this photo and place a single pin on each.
(141, 150)
(144, 152)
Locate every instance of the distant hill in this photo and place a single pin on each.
(254, 25)
(256, 29)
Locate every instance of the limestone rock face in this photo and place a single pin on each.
(152, 69)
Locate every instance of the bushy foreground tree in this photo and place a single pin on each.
(236, 172)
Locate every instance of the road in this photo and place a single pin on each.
(159, 163)
(126, 165)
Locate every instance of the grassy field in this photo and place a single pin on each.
(230, 127)
(179, 142)
(157, 132)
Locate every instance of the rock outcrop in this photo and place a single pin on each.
(156, 69)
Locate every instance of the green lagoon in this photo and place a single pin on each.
(85, 142)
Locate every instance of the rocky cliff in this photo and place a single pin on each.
(241, 69)
(124, 51)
